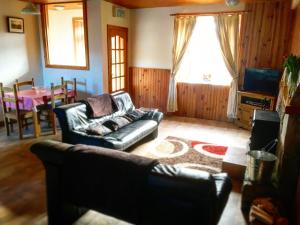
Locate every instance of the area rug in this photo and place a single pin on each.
(190, 154)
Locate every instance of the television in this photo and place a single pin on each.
(261, 80)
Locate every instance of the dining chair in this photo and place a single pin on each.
(24, 83)
(13, 114)
(59, 96)
(71, 86)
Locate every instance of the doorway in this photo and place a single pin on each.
(117, 48)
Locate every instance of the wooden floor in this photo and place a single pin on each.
(22, 186)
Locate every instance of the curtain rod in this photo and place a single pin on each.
(208, 13)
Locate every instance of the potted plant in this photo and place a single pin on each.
(292, 64)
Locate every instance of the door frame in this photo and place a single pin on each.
(123, 29)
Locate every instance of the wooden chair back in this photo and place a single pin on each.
(58, 95)
(72, 86)
(10, 96)
(7, 97)
(24, 83)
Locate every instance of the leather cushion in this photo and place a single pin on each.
(135, 114)
(121, 121)
(98, 129)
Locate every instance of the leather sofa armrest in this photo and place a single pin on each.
(171, 188)
(50, 151)
(200, 182)
(71, 116)
(153, 115)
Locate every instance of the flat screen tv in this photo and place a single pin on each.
(261, 80)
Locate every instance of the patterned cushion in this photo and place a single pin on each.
(98, 129)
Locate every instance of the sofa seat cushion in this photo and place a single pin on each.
(131, 133)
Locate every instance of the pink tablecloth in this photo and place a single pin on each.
(30, 99)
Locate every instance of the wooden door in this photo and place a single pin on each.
(117, 49)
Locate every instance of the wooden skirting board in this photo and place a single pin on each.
(149, 88)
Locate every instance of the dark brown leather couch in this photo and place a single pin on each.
(112, 182)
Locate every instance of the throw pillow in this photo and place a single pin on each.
(111, 125)
(135, 114)
(121, 121)
(98, 129)
(101, 105)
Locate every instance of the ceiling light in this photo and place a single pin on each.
(231, 2)
(30, 9)
(59, 7)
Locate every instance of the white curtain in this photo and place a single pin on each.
(227, 28)
(183, 28)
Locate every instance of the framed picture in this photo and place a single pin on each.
(15, 25)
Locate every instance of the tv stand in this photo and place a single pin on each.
(248, 102)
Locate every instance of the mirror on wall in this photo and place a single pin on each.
(65, 35)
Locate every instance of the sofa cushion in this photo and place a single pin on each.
(121, 121)
(98, 129)
(112, 125)
(123, 101)
(101, 105)
(132, 133)
(135, 114)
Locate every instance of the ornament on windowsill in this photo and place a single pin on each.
(231, 3)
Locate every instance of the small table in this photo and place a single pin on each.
(31, 98)
(235, 162)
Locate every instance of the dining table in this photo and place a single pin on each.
(30, 99)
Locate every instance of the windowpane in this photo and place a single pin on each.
(113, 84)
(203, 61)
(122, 82)
(117, 56)
(66, 44)
(113, 70)
(117, 42)
(118, 70)
(121, 43)
(113, 43)
(118, 83)
(113, 56)
(122, 69)
(122, 56)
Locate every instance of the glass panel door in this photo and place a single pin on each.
(117, 58)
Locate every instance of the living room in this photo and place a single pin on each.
(191, 104)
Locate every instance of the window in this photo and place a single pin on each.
(203, 61)
(65, 35)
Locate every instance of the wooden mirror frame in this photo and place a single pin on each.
(44, 15)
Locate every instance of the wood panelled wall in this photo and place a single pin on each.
(265, 33)
(203, 101)
(149, 88)
(295, 38)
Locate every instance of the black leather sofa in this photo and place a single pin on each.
(103, 180)
(73, 118)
